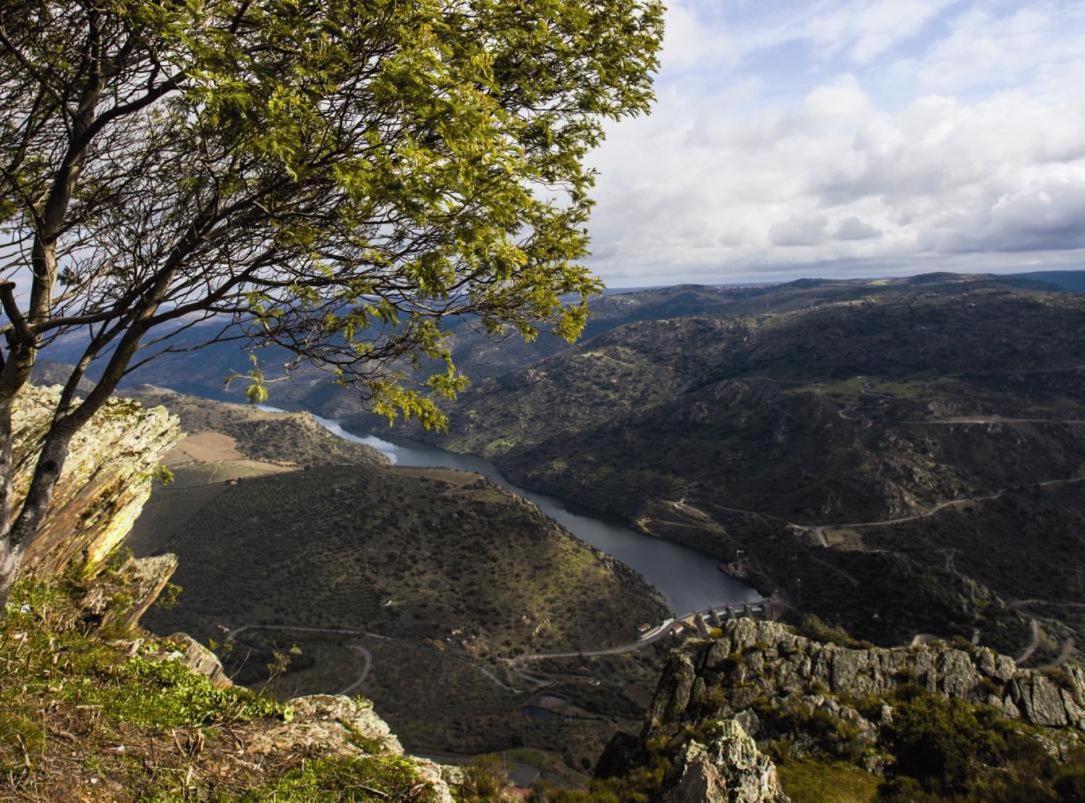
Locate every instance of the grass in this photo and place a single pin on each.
(83, 718)
(342, 779)
(827, 782)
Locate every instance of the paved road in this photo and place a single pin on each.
(819, 529)
(1022, 603)
(1064, 655)
(367, 664)
(619, 650)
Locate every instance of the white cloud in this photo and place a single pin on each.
(799, 231)
(866, 30)
(735, 175)
(853, 229)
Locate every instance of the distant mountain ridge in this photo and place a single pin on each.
(769, 424)
(205, 371)
(1070, 280)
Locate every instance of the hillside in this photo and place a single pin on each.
(819, 434)
(385, 577)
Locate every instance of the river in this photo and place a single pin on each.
(689, 580)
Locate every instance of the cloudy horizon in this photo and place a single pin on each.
(841, 138)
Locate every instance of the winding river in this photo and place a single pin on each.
(689, 580)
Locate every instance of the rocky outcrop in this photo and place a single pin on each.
(198, 659)
(767, 663)
(762, 686)
(117, 598)
(106, 480)
(326, 724)
(729, 769)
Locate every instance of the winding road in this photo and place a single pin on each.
(1034, 642)
(362, 652)
(622, 649)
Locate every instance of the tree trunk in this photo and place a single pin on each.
(54, 453)
(22, 530)
(13, 378)
(9, 556)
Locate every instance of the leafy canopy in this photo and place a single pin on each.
(335, 177)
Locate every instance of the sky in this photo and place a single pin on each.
(850, 138)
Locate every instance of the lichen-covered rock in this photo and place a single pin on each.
(674, 692)
(117, 599)
(321, 720)
(754, 659)
(729, 769)
(1042, 701)
(106, 479)
(199, 659)
(334, 725)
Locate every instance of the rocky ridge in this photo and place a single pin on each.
(105, 483)
(753, 659)
(764, 681)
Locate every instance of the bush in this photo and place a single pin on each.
(951, 748)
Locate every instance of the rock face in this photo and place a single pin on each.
(326, 724)
(768, 663)
(117, 598)
(730, 769)
(763, 681)
(199, 659)
(106, 480)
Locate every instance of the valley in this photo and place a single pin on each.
(335, 571)
(885, 466)
(819, 428)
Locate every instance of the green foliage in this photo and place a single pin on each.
(948, 748)
(813, 627)
(486, 778)
(810, 781)
(169, 597)
(938, 741)
(166, 694)
(164, 475)
(794, 719)
(336, 175)
(43, 628)
(344, 779)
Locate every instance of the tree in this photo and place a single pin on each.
(336, 177)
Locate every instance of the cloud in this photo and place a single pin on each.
(838, 145)
(853, 229)
(799, 231)
(868, 30)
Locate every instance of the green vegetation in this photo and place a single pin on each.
(343, 779)
(449, 573)
(950, 749)
(429, 554)
(454, 573)
(828, 404)
(809, 781)
(82, 717)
